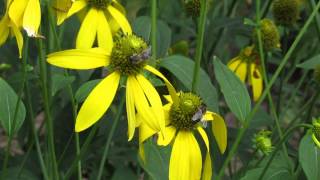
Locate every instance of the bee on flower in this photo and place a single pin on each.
(20, 14)
(101, 19)
(247, 67)
(186, 115)
(126, 59)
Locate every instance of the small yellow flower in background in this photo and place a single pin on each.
(8, 27)
(185, 116)
(26, 14)
(127, 59)
(100, 19)
(247, 65)
(316, 132)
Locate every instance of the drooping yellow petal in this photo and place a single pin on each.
(185, 159)
(80, 58)
(204, 137)
(120, 19)
(239, 67)
(153, 98)
(131, 111)
(76, 7)
(97, 102)
(219, 130)
(166, 112)
(16, 11)
(118, 6)
(142, 105)
(62, 7)
(256, 81)
(208, 116)
(19, 38)
(32, 18)
(105, 39)
(88, 30)
(207, 169)
(4, 29)
(145, 132)
(170, 133)
(171, 89)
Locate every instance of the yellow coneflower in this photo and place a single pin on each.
(100, 15)
(7, 27)
(247, 65)
(185, 116)
(26, 14)
(126, 59)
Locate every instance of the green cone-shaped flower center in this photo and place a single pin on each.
(183, 111)
(263, 142)
(193, 8)
(129, 55)
(99, 4)
(285, 12)
(269, 34)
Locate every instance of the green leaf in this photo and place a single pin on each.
(310, 63)
(83, 92)
(182, 68)
(249, 22)
(309, 157)
(8, 111)
(234, 91)
(156, 160)
(124, 173)
(60, 81)
(142, 27)
(271, 174)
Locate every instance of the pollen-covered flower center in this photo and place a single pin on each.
(129, 55)
(99, 4)
(187, 112)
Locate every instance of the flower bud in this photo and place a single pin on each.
(316, 73)
(192, 7)
(285, 12)
(269, 34)
(316, 131)
(263, 142)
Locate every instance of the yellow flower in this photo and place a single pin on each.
(98, 21)
(26, 14)
(247, 65)
(127, 59)
(184, 117)
(8, 27)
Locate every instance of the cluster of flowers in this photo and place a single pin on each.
(125, 56)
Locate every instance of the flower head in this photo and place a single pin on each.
(316, 73)
(285, 12)
(269, 34)
(316, 132)
(247, 65)
(101, 19)
(192, 7)
(127, 59)
(263, 142)
(185, 116)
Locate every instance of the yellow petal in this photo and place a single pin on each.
(88, 30)
(19, 38)
(239, 67)
(185, 160)
(16, 11)
(208, 116)
(171, 89)
(256, 81)
(153, 98)
(97, 102)
(131, 111)
(104, 33)
(120, 19)
(32, 18)
(145, 132)
(169, 132)
(118, 6)
(4, 29)
(204, 137)
(166, 111)
(207, 169)
(80, 58)
(76, 7)
(219, 130)
(315, 140)
(142, 105)
(62, 7)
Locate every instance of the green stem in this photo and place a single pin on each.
(278, 146)
(272, 81)
(199, 49)
(49, 121)
(111, 133)
(154, 31)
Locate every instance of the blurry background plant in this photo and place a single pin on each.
(31, 90)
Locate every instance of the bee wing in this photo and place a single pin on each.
(204, 123)
(197, 116)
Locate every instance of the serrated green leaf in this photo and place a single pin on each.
(8, 104)
(309, 158)
(182, 68)
(233, 90)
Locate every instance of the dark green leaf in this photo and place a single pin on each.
(83, 92)
(310, 63)
(60, 81)
(309, 157)
(182, 68)
(234, 91)
(9, 114)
